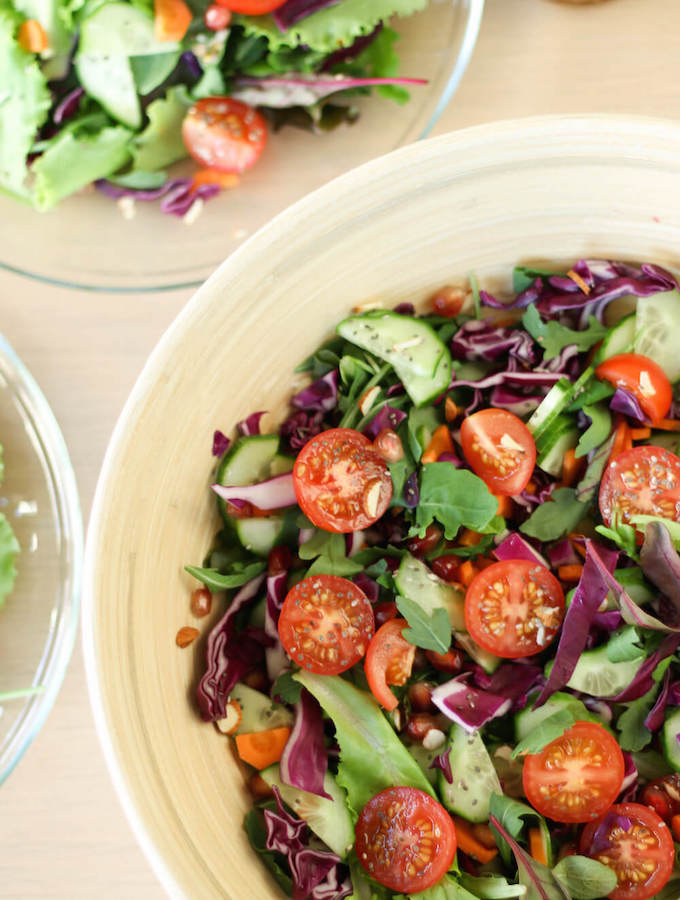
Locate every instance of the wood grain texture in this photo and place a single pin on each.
(62, 832)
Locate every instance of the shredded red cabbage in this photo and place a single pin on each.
(302, 89)
(301, 427)
(563, 554)
(386, 417)
(519, 404)
(251, 424)
(320, 396)
(275, 493)
(190, 60)
(275, 656)
(643, 681)
(177, 195)
(466, 705)
(228, 656)
(304, 760)
(221, 443)
(294, 10)
(609, 620)
(623, 401)
(412, 491)
(405, 309)
(510, 680)
(481, 339)
(285, 833)
(600, 841)
(68, 106)
(630, 779)
(516, 547)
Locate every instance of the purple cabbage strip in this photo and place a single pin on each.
(177, 195)
(588, 596)
(251, 425)
(643, 681)
(516, 547)
(301, 427)
(452, 458)
(537, 378)
(511, 680)
(345, 54)
(320, 396)
(600, 707)
(301, 89)
(275, 493)
(623, 401)
(674, 694)
(228, 657)
(285, 833)
(386, 417)
(368, 586)
(655, 717)
(294, 10)
(443, 762)
(609, 620)
(304, 761)
(519, 404)
(481, 339)
(354, 541)
(275, 656)
(68, 106)
(466, 705)
(221, 443)
(562, 554)
(661, 564)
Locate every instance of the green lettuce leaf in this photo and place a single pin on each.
(372, 757)
(585, 879)
(513, 816)
(598, 431)
(9, 547)
(160, 144)
(430, 630)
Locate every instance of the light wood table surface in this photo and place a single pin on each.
(62, 832)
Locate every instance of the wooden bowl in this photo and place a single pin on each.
(478, 200)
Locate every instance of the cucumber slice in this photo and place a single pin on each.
(597, 675)
(553, 447)
(474, 777)
(669, 739)
(258, 536)
(329, 819)
(121, 29)
(657, 326)
(425, 758)
(620, 339)
(258, 711)
(420, 359)
(529, 719)
(249, 460)
(109, 80)
(551, 406)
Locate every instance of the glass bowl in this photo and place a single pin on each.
(86, 243)
(38, 622)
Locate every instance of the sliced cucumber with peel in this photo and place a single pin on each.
(258, 711)
(528, 719)
(329, 819)
(474, 777)
(669, 739)
(553, 445)
(619, 339)
(421, 360)
(657, 330)
(425, 758)
(597, 675)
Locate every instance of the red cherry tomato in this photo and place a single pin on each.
(641, 481)
(633, 841)
(251, 7)
(643, 378)
(514, 608)
(383, 612)
(405, 839)
(500, 449)
(389, 660)
(341, 483)
(216, 17)
(663, 796)
(576, 777)
(326, 624)
(446, 566)
(224, 134)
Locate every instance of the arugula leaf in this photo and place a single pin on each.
(401, 470)
(541, 884)
(329, 551)
(560, 515)
(524, 276)
(513, 816)
(453, 497)
(492, 887)
(431, 631)
(584, 878)
(554, 337)
(598, 431)
(633, 734)
(621, 534)
(241, 572)
(9, 547)
(372, 757)
(623, 645)
(552, 727)
(286, 688)
(594, 392)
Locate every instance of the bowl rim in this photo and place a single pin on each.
(475, 11)
(61, 638)
(633, 132)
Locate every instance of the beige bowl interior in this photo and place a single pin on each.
(479, 200)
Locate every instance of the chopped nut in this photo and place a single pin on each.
(232, 719)
(367, 399)
(372, 498)
(434, 739)
(186, 636)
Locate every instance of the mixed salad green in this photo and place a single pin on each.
(9, 547)
(449, 659)
(113, 92)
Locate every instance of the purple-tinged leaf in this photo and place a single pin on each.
(292, 11)
(301, 89)
(275, 656)
(285, 833)
(251, 425)
(516, 547)
(412, 491)
(643, 681)
(221, 443)
(368, 586)
(539, 880)
(655, 717)
(386, 417)
(344, 54)
(68, 106)
(304, 761)
(466, 705)
(443, 762)
(622, 401)
(320, 396)
(661, 564)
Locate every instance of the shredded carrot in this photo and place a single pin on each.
(622, 440)
(468, 843)
(640, 434)
(467, 572)
(469, 538)
(451, 411)
(505, 505)
(214, 176)
(576, 278)
(668, 424)
(537, 846)
(571, 467)
(531, 487)
(484, 835)
(32, 36)
(577, 542)
(675, 827)
(171, 19)
(440, 442)
(570, 573)
(262, 748)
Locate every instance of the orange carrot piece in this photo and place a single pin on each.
(505, 505)
(466, 572)
(468, 843)
(576, 278)
(451, 411)
(622, 440)
(536, 846)
(469, 538)
(668, 424)
(675, 827)
(171, 19)
(32, 36)
(440, 442)
(571, 467)
(570, 573)
(214, 176)
(262, 748)
(640, 434)
(531, 487)
(576, 541)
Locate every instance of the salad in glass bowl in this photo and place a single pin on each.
(112, 93)
(449, 657)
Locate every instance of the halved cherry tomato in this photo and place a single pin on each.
(405, 839)
(663, 796)
(389, 660)
(251, 7)
(326, 624)
(576, 777)
(216, 17)
(643, 378)
(633, 841)
(341, 483)
(451, 661)
(500, 449)
(514, 608)
(224, 134)
(641, 481)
